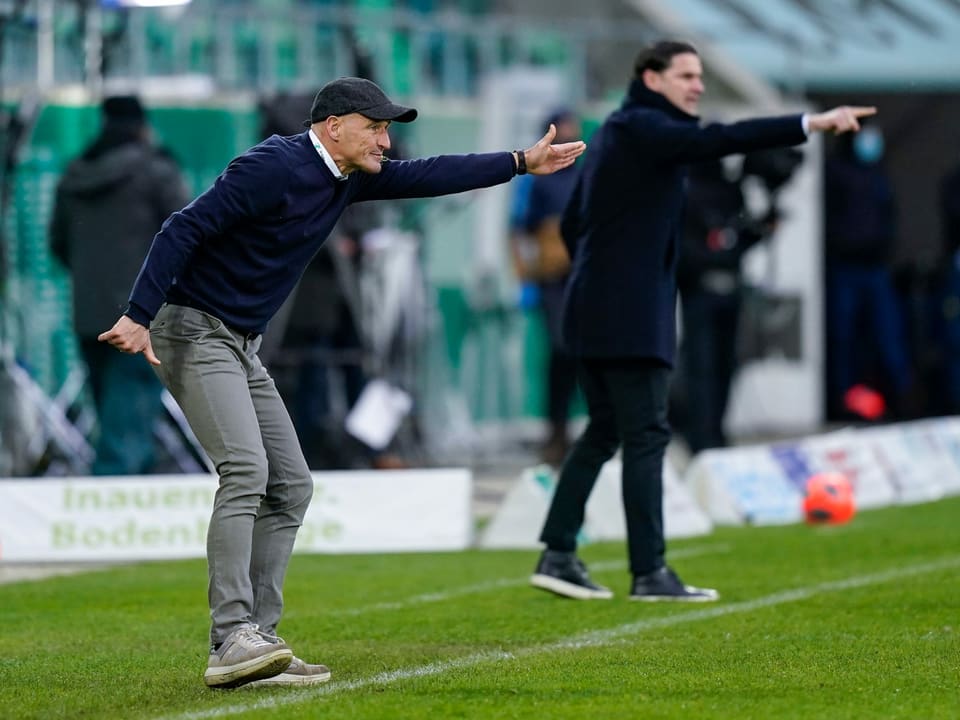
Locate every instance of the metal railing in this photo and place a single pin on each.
(49, 44)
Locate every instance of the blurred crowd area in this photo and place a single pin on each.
(419, 302)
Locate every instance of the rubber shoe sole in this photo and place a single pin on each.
(289, 680)
(676, 598)
(258, 668)
(568, 589)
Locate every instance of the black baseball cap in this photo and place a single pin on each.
(356, 95)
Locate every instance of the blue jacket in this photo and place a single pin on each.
(622, 226)
(238, 250)
(548, 196)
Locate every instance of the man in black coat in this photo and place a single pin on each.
(622, 228)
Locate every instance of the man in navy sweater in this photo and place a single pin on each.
(215, 274)
(622, 227)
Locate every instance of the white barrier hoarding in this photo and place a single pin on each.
(897, 463)
(166, 516)
(744, 485)
(520, 517)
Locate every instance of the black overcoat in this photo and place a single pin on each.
(622, 225)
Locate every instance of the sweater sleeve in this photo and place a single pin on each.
(430, 177)
(251, 184)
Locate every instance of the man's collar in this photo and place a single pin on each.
(326, 156)
(639, 94)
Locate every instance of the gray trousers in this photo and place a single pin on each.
(233, 407)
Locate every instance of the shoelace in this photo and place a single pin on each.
(251, 637)
(675, 577)
(582, 570)
(273, 639)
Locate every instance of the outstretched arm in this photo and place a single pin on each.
(545, 158)
(841, 119)
(448, 174)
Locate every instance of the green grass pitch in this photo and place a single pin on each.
(855, 621)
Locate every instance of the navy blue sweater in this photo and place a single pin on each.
(238, 250)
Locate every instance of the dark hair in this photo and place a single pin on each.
(657, 57)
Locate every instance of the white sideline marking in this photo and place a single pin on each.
(511, 582)
(588, 639)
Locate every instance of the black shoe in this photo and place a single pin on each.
(565, 574)
(663, 585)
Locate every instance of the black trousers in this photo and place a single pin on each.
(627, 403)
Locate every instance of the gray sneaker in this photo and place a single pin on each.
(244, 657)
(299, 673)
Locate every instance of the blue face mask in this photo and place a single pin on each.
(868, 146)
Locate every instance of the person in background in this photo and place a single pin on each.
(622, 229)
(717, 232)
(109, 204)
(324, 333)
(950, 209)
(215, 275)
(947, 314)
(541, 259)
(866, 338)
